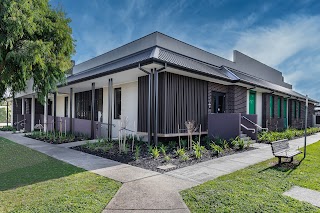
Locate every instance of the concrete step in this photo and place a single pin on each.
(243, 135)
(245, 138)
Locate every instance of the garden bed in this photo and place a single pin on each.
(290, 134)
(56, 137)
(166, 154)
(7, 128)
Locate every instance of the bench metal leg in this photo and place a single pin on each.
(279, 160)
(291, 159)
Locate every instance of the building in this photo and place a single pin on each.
(158, 83)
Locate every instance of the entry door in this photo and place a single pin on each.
(285, 113)
(252, 102)
(218, 102)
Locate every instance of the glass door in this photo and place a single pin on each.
(218, 102)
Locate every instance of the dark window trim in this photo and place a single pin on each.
(83, 104)
(66, 104)
(295, 109)
(117, 103)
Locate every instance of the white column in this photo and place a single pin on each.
(45, 119)
(33, 106)
(23, 107)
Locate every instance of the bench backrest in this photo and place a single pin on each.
(280, 145)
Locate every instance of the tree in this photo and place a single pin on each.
(35, 43)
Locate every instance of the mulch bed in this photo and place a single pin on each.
(147, 162)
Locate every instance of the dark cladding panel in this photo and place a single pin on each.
(186, 100)
(143, 91)
(180, 99)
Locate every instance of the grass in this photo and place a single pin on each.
(33, 182)
(259, 188)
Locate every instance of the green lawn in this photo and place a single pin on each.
(33, 182)
(258, 188)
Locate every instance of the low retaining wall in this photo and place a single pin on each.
(224, 125)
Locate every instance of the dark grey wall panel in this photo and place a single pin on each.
(236, 97)
(181, 98)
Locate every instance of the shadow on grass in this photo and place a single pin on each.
(42, 171)
(287, 167)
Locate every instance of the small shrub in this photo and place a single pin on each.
(238, 143)
(184, 157)
(167, 158)
(184, 143)
(198, 150)
(172, 144)
(155, 152)
(226, 145)
(7, 128)
(163, 149)
(248, 144)
(137, 152)
(180, 152)
(215, 148)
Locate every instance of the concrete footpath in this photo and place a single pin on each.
(148, 191)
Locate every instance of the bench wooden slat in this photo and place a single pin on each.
(288, 154)
(281, 149)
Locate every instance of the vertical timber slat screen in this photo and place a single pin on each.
(181, 98)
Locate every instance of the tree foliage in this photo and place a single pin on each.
(35, 43)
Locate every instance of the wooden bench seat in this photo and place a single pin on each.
(281, 149)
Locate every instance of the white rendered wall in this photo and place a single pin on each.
(129, 107)
(248, 96)
(259, 107)
(60, 106)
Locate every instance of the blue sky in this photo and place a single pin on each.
(284, 34)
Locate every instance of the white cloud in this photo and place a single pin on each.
(274, 44)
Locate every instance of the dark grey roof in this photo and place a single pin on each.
(183, 61)
(172, 58)
(108, 67)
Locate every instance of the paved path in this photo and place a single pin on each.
(305, 195)
(148, 191)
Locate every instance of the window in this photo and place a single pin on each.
(279, 107)
(295, 109)
(271, 106)
(299, 110)
(117, 103)
(66, 100)
(218, 102)
(83, 104)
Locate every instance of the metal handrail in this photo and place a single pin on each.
(16, 123)
(255, 124)
(249, 129)
(108, 124)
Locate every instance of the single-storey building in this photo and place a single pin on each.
(158, 82)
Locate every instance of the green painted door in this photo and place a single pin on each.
(252, 102)
(285, 113)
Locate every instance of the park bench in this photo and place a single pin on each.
(281, 149)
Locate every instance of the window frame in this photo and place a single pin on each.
(117, 103)
(279, 107)
(271, 106)
(66, 107)
(295, 109)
